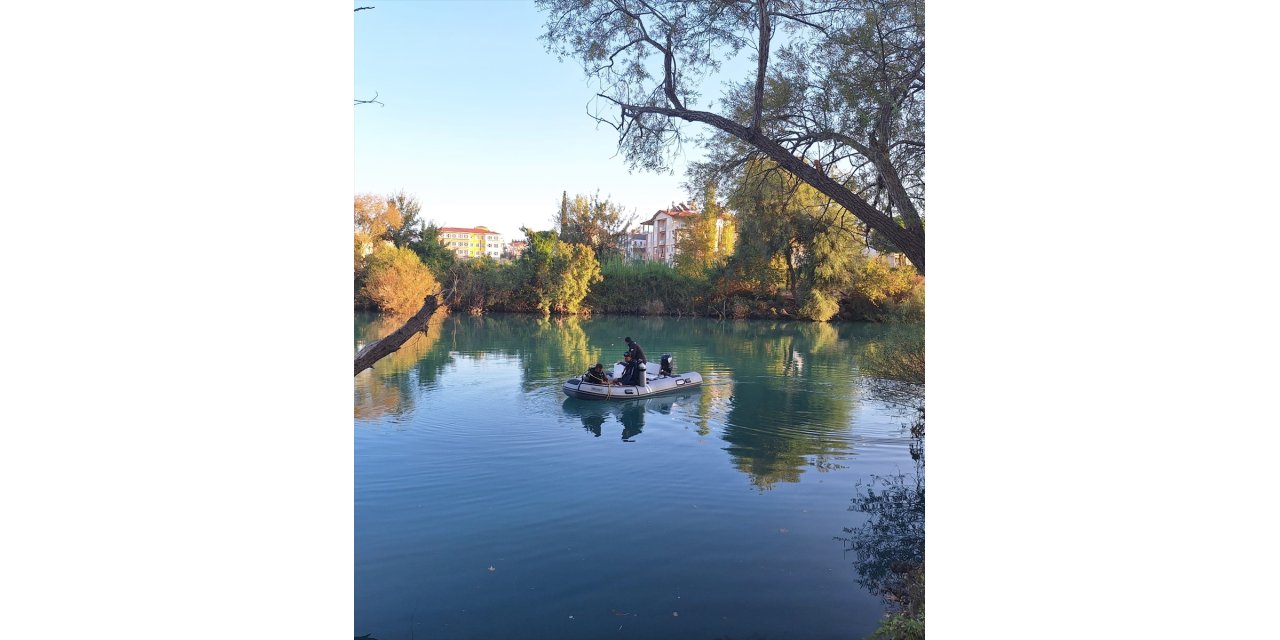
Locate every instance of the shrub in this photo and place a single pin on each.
(881, 292)
(632, 287)
(818, 306)
(899, 626)
(397, 281)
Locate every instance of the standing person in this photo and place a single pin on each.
(634, 349)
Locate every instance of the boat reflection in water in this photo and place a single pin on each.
(594, 414)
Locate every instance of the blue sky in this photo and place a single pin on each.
(481, 123)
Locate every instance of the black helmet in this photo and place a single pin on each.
(627, 339)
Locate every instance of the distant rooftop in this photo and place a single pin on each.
(480, 230)
(682, 210)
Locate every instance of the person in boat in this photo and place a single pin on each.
(634, 349)
(596, 375)
(630, 371)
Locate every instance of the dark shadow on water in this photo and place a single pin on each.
(595, 414)
(889, 547)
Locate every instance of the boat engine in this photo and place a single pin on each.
(664, 369)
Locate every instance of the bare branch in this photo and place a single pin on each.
(373, 100)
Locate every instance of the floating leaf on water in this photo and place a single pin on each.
(492, 568)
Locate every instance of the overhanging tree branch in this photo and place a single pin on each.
(379, 349)
(849, 82)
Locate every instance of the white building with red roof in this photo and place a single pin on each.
(663, 230)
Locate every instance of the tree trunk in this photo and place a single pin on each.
(379, 349)
(908, 240)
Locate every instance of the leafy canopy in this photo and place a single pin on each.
(834, 93)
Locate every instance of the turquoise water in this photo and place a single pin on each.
(490, 505)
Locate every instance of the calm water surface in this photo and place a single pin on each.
(490, 505)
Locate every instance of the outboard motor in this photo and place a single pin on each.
(664, 369)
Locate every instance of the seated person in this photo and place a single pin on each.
(596, 375)
(631, 374)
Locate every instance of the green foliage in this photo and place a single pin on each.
(843, 91)
(576, 270)
(899, 626)
(646, 288)
(818, 306)
(599, 224)
(894, 369)
(555, 276)
(701, 244)
(795, 233)
(397, 281)
(410, 229)
(438, 258)
(881, 292)
(480, 284)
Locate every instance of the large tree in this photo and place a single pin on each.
(835, 95)
(599, 224)
(788, 222)
(411, 225)
(555, 275)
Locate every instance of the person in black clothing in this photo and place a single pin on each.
(630, 371)
(596, 375)
(634, 349)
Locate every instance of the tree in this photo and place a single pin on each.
(599, 224)
(556, 276)
(438, 258)
(376, 219)
(836, 98)
(787, 221)
(410, 230)
(705, 240)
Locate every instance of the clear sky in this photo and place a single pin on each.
(481, 123)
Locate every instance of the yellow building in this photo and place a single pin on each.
(472, 242)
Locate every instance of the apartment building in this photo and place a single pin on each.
(636, 246)
(472, 242)
(663, 230)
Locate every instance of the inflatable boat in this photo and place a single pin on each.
(662, 381)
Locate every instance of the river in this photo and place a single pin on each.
(490, 505)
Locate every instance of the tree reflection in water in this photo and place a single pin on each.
(889, 546)
(391, 385)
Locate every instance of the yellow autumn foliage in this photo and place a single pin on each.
(397, 281)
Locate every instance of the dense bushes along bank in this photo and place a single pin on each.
(555, 277)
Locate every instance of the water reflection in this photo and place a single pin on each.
(781, 395)
(389, 386)
(792, 403)
(889, 546)
(596, 414)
